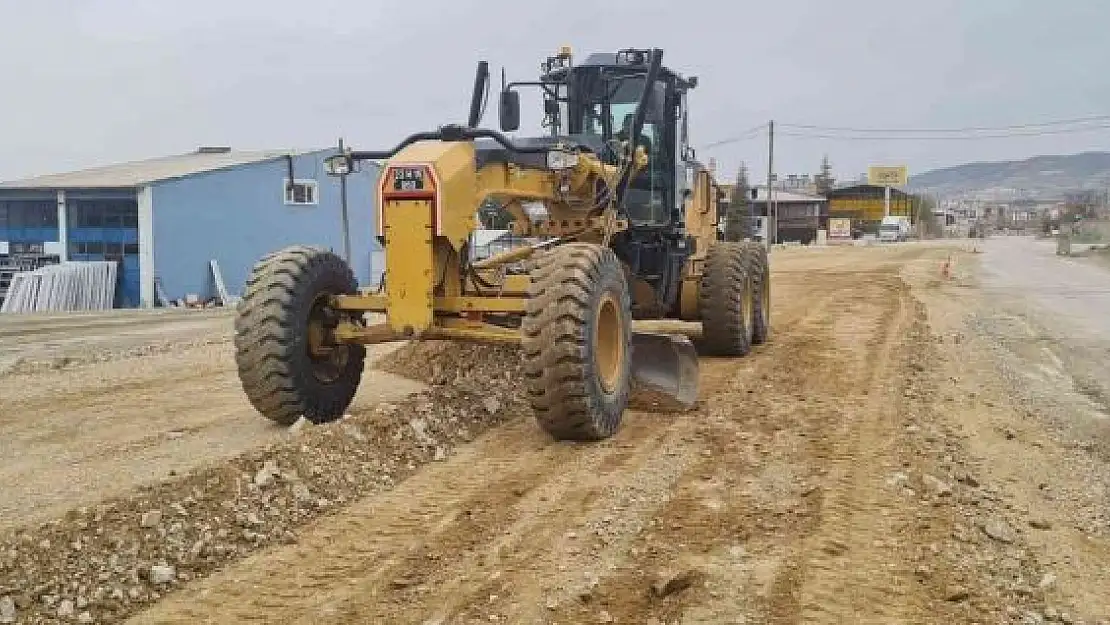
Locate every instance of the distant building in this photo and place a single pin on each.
(796, 183)
(864, 204)
(166, 218)
(800, 215)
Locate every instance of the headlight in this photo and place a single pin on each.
(558, 159)
(337, 165)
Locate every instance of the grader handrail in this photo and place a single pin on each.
(449, 132)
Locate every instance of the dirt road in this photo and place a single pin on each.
(902, 451)
(782, 498)
(1033, 389)
(95, 405)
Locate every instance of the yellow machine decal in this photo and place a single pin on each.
(388, 188)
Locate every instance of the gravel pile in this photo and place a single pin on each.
(102, 563)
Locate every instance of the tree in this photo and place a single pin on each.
(824, 180)
(928, 225)
(739, 223)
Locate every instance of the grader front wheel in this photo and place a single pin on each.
(286, 364)
(576, 336)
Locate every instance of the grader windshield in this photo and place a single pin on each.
(603, 109)
(594, 103)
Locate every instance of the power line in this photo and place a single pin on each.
(1028, 125)
(968, 137)
(1093, 123)
(752, 133)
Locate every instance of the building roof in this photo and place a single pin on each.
(785, 197)
(137, 173)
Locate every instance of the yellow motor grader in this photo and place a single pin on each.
(623, 224)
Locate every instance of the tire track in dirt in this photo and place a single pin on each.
(850, 563)
(722, 507)
(395, 547)
(744, 515)
(553, 558)
(768, 497)
(116, 393)
(578, 508)
(29, 329)
(779, 522)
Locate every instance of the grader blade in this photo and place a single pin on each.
(667, 364)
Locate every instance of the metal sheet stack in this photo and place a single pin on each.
(70, 286)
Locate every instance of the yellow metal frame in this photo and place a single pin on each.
(366, 302)
(444, 328)
(425, 231)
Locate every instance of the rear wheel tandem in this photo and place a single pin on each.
(759, 268)
(726, 300)
(576, 342)
(286, 364)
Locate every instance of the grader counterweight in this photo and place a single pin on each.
(627, 224)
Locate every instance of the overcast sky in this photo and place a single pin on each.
(88, 82)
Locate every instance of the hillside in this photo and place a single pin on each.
(1039, 177)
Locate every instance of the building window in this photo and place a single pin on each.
(119, 214)
(300, 192)
(26, 248)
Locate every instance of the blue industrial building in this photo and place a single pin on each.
(165, 219)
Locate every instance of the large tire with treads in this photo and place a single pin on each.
(725, 300)
(281, 374)
(577, 333)
(759, 267)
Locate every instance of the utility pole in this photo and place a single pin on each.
(772, 215)
(343, 207)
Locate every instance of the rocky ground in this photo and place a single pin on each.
(902, 451)
(85, 417)
(103, 562)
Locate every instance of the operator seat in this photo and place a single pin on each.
(640, 192)
(626, 131)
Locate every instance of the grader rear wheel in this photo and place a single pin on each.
(759, 268)
(726, 300)
(286, 364)
(576, 336)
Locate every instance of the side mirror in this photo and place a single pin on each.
(509, 111)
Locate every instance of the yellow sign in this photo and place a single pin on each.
(895, 176)
(840, 228)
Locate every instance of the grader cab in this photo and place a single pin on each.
(626, 228)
